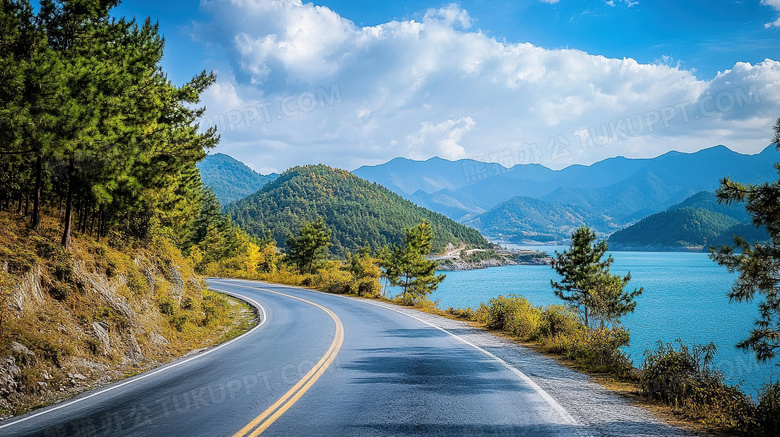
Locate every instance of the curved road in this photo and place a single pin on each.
(317, 364)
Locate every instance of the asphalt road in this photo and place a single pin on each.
(318, 364)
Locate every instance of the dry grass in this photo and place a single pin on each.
(143, 294)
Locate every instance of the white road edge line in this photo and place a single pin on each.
(534, 386)
(154, 372)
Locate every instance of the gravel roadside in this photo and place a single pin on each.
(598, 411)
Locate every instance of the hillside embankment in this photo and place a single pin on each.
(98, 312)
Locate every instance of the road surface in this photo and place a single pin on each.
(318, 364)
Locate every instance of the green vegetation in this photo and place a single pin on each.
(406, 266)
(310, 247)
(100, 309)
(684, 228)
(99, 194)
(694, 224)
(557, 330)
(758, 264)
(91, 125)
(685, 379)
(230, 179)
(587, 283)
(680, 377)
(358, 212)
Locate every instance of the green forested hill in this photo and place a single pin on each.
(358, 212)
(230, 179)
(683, 228)
(696, 223)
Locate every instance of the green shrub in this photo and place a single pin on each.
(467, 314)
(335, 281)
(166, 305)
(179, 320)
(189, 304)
(215, 308)
(20, 260)
(137, 282)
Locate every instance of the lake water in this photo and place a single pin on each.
(684, 297)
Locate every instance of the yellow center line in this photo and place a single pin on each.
(270, 415)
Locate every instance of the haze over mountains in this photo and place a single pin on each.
(531, 203)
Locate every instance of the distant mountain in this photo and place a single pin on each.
(407, 177)
(230, 179)
(614, 192)
(357, 211)
(528, 220)
(694, 224)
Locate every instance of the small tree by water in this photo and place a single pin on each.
(587, 284)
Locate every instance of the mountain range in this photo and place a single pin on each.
(520, 204)
(532, 203)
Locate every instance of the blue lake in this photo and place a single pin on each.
(684, 297)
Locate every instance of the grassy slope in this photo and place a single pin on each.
(96, 313)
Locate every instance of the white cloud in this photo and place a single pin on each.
(440, 139)
(776, 5)
(434, 87)
(628, 3)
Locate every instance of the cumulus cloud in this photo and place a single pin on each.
(306, 85)
(440, 139)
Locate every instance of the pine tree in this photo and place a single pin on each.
(587, 283)
(89, 120)
(310, 247)
(758, 264)
(406, 266)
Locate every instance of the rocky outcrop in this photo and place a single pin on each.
(28, 292)
(106, 289)
(100, 330)
(178, 284)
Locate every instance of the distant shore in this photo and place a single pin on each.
(493, 258)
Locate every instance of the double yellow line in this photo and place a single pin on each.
(269, 416)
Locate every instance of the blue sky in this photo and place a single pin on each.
(550, 81)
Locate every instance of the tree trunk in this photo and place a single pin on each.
(36, 214)
(68, 214)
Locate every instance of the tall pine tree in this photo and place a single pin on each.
(758, 264)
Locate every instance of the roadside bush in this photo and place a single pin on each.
(335, 280)
(766, 418)
(558, 320)
(468, 313)
(599, 350)
(686, 380)
(511, 314)
(215, 308)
